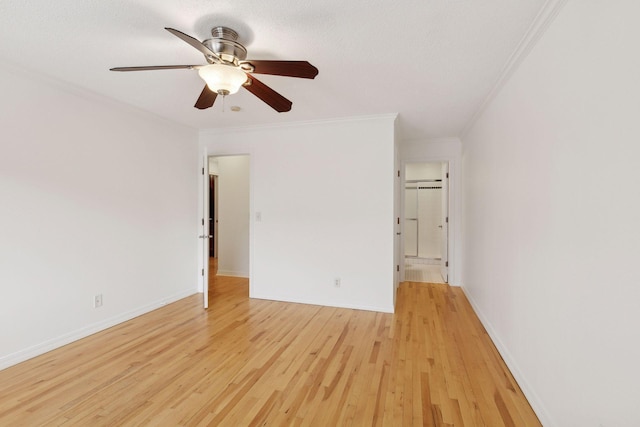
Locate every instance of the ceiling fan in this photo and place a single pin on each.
(227, 69)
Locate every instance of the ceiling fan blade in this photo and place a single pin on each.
(268, 95)
(300, 69)
(206, 99)
(195, 43)
(156, 67)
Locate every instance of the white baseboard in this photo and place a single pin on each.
(530, 394)
(52, 344)
(323, 303)
(231, 273)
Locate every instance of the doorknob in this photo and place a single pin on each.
(205, 237)
(439, 226)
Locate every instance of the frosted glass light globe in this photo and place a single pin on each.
(223, 79)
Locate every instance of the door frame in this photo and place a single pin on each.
(205, 235)
(454, 212)
(444, 207)
(213, 216)
(203, 256)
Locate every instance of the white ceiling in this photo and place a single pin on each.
(431, 61)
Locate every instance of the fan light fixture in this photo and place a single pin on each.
(223, 79)
(227, 69)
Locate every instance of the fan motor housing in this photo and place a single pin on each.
(224, 43)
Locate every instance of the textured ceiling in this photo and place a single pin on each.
(431, 61)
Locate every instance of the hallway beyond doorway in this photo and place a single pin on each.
(425, 273)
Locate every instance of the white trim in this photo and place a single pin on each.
(398, 237)
(253, 128)
(52, 344)
(279, 298)
(538, 27)
(204, 249)
(527, 390)
(231, 273)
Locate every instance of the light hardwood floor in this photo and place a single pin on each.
(255, 362)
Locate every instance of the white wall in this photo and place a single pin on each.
(551, 214)
(443, 150)
(95, 198)
(325, 193)
(233, 215)
(423, 170)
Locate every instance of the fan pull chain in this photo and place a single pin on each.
(223, 98)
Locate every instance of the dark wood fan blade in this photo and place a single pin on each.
(206, 99)
(156, 67)
(195, 43)
(300, 69)
(268, 95)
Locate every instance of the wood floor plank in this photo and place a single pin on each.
(257, 362)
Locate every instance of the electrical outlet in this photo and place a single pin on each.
(97, 301)
(336, 282)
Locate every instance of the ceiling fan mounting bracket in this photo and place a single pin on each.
(220, 32)
(224, 43)
(248, 67)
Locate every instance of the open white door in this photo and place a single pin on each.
(205, 236)
(444, 241)
(397, 253)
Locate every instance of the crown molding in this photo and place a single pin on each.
(538, 27)
(252, 128)
(80, 92)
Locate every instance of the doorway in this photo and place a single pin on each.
(426, 221)
(228, 213)
(225, 219)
